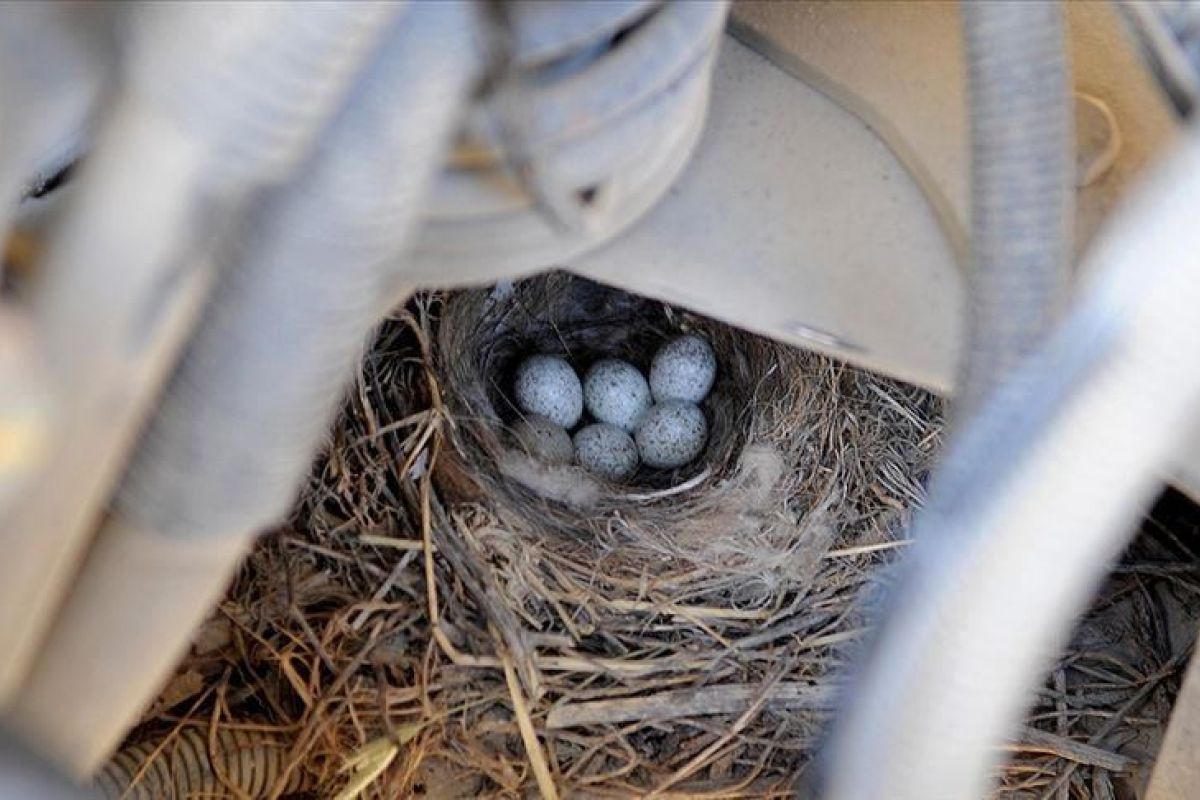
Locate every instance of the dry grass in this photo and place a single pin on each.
(444, 617)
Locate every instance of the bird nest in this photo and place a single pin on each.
(675, 632)
(445, 616)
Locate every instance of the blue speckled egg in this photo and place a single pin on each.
(549, 387)
(615, 392)
(606, 451)
(671, 434)
(684, 369)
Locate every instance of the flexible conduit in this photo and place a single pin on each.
(594, 118)
(244, 413)
(1041, 491)
(128, 264)
(1022, 185)
(299, 296)
(188, 765)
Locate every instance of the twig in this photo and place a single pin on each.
(1108, 727)
(710, 700)
(867, 548)
(393, 542)
(533, 748)
(1037, 741)
(707, 753)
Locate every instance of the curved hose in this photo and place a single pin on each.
(1022, 173)
(1039, 494)
(256, 388)
(567, 154)
(299, 294)
(187, 766)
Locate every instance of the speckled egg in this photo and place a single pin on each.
(684, 369)
(541, 438)
(671, 434)
(615, 392)
(547, 386)
(607, 451)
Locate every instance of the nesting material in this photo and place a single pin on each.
(733, 580)
(446, 616)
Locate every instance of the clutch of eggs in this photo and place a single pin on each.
(657, 422)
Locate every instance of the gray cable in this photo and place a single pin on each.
(1022, 174)
(576, 150)
(245, 413)
(254, 81)
(1038, 495)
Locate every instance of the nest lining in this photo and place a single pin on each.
(738, 506)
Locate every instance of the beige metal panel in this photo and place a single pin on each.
(1176, 774)
(899, 67)
(795, 220)
(1107, 66)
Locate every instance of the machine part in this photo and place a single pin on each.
(566, 153)
(852, 52)
(1027, 510)
(215, 460)
(293, 307)
(125, 623)
(24, 405)
(858, 253)
(129, 265)
(1176, 772)
(25, 775)
(255, 83)
(1022, 187)
(186, 765)
(760, 233)
(56, 61)
(1097, 139)
(544, 32)
(1169, 34)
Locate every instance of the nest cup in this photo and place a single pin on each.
(485, 335)
(804, 455)
(750, 462)
(792, 461)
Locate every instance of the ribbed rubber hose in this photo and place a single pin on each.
(1038, 496)
(1022, 185)
(55, 66)
(189, 765)
(245, 413)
